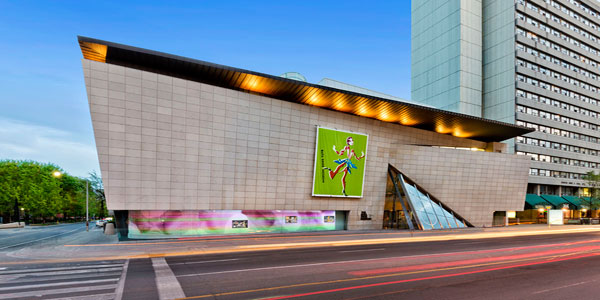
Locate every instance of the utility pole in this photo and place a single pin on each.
(87, 211)
(17, 212)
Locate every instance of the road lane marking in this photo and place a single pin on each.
(37, 240)
(388, 275)
(203, 262)
(18, 232)
(257, 248)
(564, 286)
(121, 285)
(167, 284)
(363, 250)
(273, 268)
(220, 239)
(448, 237)
(347, 261)
(473, 261)
(57, 291)
(420, 279)
(378, 295)
(445, 238)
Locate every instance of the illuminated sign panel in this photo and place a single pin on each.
(340, 160)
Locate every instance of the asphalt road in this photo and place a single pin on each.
(17, 238)
(544, 267)
(528, 267)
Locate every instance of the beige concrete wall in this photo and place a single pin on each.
(472, 183)
(170, 144)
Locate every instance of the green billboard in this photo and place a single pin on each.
(340, 160)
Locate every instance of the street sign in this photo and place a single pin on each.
(555, 217)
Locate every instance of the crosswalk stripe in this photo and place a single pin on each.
(61, 273)
(121, 286)
(60, 268)
(95, 281)
(167, 284)
(110, 296)
(45, 285)
(14, 278)
(58, 291)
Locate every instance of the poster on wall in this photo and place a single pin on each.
(340, 161)
(148, 224)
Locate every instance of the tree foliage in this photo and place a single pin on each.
(98, 190)
(593, 181)
(40, 194)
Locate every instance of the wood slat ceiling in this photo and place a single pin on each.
(386, 110)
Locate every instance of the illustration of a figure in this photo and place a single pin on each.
(345, 165)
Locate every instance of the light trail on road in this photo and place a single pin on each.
(463, 236)
(474, 261)
(423, 278)
(542, 258)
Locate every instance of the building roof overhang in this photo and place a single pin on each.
(407, 114)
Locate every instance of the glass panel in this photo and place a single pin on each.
(451, 219)
(430, 214)
(435, 223)
(420, 210)
(439, 212)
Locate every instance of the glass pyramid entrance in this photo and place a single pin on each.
(411, 207)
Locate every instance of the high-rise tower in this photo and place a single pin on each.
(535, 63)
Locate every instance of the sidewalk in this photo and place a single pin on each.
(96, 246)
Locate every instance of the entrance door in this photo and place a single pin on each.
(340, 220)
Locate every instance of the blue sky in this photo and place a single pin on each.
(43, 105)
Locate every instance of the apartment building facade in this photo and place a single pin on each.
(534, 63)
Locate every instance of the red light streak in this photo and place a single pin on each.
(471, 261)
(430, 277)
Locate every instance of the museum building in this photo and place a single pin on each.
(190, 148)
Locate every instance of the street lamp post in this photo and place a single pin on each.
(57, 174)
(17, 213)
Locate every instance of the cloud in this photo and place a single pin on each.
(26, 141)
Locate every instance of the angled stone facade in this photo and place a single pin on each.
(166, 143)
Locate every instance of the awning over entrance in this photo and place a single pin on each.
(533, 200)
(575, 201)
(579, 202)
(557, 202)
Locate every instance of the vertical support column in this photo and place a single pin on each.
(406, 216)
(560, 190)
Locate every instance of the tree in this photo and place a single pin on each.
(73, 196)
(97, 188)
(8, 190)
(593, 181)
(40, 191)
(32, 187)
